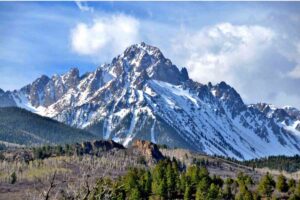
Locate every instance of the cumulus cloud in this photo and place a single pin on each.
(83, 6)
(258, 61)
(106, 37)
(295, 72)
(214, 52)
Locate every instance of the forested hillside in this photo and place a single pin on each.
(286, 163)
(167, 180)
(19, 126)
(107, 170)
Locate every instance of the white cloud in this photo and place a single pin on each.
(295, 72)
(106, 36)
(83, 6)
(282, 99)
(214, 52)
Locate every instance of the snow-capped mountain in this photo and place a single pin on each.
(287, 117)
(141, 94)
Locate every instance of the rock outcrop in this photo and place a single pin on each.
(148, 149)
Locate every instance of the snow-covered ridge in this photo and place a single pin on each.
(141, 94)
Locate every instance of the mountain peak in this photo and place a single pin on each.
(143, 53)
(142, 95)
(74, 71)
(144, 57)
(143, 47)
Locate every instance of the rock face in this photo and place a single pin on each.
(143, 95)
(6, 99)
(98, 145)
(148, 149)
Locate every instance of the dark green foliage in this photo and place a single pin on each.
(13, 178)
(228, 191)
(48, 151)
(292, 184)
(23, 127)
(214, 192)
(159, 180)
(287, 163)
(244, 194)
(266, 185)
(281, 184)
(297, 190)
(168, 181)
(244, 180)
(187, 192)
(134, 184)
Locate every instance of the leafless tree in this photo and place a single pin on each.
(51, 186)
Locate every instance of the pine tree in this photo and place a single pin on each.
(244, 193)
(159, 181)
(266, 185)
(134, 194)
(203, 172)
(187, 192)
(297, 190)
(227, 194)
(193, 174)
(281, 184)
(182, 181)
(291, 185)
(147, 181)
(214, 192)
(217, 180)
(171, 180)
(202, 189)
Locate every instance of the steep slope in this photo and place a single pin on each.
(22, 127)
(286, 117)
(141, 94)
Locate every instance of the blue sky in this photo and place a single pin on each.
(254, 46)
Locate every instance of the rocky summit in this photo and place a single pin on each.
(143, 95)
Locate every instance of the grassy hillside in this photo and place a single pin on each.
(20, 126)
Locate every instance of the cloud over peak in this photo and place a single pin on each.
(106, 37)
(295, 72)
(213, 52)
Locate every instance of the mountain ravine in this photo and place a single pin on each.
(142, 95)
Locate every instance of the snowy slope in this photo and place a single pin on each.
(141, 94)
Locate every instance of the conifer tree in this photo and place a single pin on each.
(227, 194)
(134, 194)
(159, 182)
(187, 192)
(292, 184)
(281, 184)
(171, 180)
(214, 192)
(266, 185)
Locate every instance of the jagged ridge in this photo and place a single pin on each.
(141, 94)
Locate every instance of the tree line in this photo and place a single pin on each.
(286, 163)
(169, 180)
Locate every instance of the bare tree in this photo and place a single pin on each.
(52, 185)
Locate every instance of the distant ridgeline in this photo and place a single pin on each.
(21, 127)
